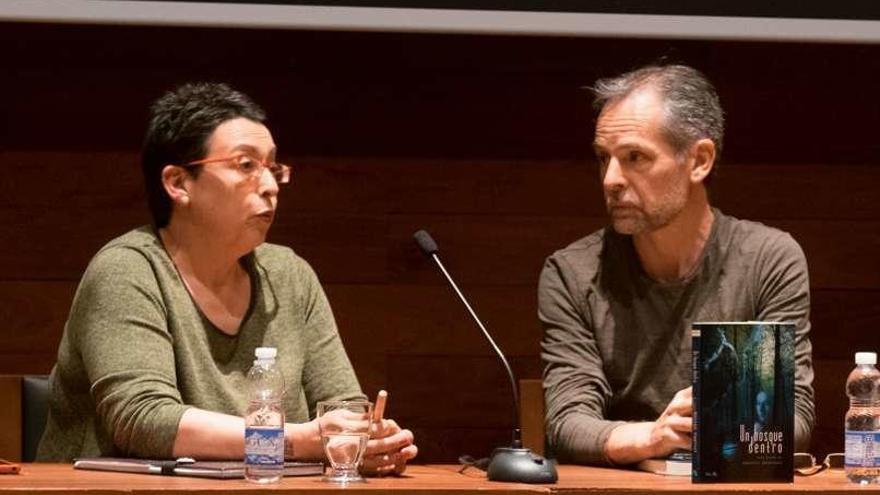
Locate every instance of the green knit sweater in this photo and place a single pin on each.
(137, 351)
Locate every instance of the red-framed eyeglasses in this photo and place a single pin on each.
(250, 167)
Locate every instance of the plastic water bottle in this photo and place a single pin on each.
(862, 445)
(264, 421)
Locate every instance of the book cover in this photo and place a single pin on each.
(743, 400)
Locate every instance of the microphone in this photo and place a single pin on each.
(514, 463)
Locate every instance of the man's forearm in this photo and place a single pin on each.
(633, 442)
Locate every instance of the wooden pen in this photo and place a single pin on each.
(379, 407)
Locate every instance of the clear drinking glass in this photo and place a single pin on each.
(345, 429)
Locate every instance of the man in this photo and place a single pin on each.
(616, 306)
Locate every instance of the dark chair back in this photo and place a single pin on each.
(24, 403)
(34, 410)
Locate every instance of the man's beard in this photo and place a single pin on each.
(638, 221)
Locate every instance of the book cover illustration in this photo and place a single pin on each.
(743, 402)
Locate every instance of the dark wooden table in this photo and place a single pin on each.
(421, 480)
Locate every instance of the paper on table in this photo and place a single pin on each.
(188, 467)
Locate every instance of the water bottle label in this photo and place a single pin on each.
(264, 446)
(862, 449)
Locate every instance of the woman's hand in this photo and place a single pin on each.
(388, 449)
(303, 440)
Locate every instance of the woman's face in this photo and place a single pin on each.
(235, 208)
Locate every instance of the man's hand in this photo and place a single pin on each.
(672, 431)
(388, 449)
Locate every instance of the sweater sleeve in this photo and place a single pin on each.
(784, 295)
(327, 372)
(119, 322)
(575, 387)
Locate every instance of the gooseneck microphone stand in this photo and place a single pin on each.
(514, 463)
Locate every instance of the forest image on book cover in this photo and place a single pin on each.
(743, 402)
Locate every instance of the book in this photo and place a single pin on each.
(188, 467)
(676, 464)
(743, 398)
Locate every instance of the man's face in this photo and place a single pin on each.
(645, 186)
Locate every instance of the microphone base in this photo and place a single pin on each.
(520, 466)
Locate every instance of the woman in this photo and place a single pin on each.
(165, 321)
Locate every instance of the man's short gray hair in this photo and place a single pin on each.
(692, 110)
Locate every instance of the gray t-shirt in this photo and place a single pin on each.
(617, 344)
(137, 351)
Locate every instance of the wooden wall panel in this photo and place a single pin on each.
(450, 443)
(414, 319)
(357, 248)
(357, 226)
(425, 185)
(844, 322)
(483, 140)
(423, 320)
(34, 313)
(368, 94)
(831, 402)
(476, 388)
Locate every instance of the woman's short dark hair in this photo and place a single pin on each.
(181, 121)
